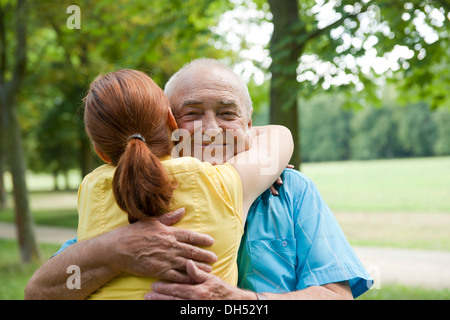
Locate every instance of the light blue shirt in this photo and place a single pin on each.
(293, 241)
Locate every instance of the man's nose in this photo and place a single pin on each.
(210, 126)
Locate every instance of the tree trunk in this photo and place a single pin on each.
(285, 54)
(2, 172)
(11, 133)
(2, 81)
(55, 180)
(24, 221)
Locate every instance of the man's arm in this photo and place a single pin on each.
(146, 248)
(211, 287)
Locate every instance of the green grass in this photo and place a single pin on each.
(401, 292)
(52, 217)
(396, 185)
(49, 208)
(390, 203)
(13, 275)
(44, 182)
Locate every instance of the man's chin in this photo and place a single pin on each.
(211, 154)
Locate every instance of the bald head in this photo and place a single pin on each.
(196, 72)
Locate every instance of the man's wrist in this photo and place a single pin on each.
(260, 296)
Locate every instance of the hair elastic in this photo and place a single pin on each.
(136, 136)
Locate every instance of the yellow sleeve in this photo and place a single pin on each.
(98, 212)
(231, 186)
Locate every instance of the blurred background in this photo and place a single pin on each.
(363, 86)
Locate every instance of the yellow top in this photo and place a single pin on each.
(211, 195)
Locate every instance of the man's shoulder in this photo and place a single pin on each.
(295, 180)
(295, 174)
(295, 185)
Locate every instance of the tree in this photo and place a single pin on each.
(416, 130)
(325, 129)
(332, 44)
(157, 39)
(374, 134)
(292, 32)
(442, 119)
(12, 74)
(285, 52)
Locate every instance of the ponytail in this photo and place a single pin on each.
(126, 117)
(141, 186)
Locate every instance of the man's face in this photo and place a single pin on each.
(209, 104)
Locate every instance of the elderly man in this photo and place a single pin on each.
(292, 247)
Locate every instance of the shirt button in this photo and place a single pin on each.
(284, 243)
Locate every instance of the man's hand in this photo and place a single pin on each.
(150, 248)
(153, 248)
(211, 287)
(207, 287)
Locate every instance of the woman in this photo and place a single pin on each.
(128, 119)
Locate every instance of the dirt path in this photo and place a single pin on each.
(429, 269)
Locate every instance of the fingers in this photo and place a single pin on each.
(279, 181)
(193, 238)
(197, 254)
(273, 191)
(158, 296)
(203, 266)
(169, 291)
(176, 276)
(171, 217)
(195, 273)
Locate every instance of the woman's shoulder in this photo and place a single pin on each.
(184, 164)
(100, 175)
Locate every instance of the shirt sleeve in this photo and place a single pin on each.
(66, 244)
(324, 254)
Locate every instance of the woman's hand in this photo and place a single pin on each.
(278, 182)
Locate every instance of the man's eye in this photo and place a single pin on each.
(228, 114)
(192, 114)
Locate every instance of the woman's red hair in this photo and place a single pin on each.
(118, 105)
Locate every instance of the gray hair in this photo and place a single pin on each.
(208, 63)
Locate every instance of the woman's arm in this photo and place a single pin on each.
(271, 149)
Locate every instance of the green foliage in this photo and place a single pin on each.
(416, 130)
(325, 131)
(331, 132)
(373, 134)
(442, 120)
(157, 37)
(160, 36)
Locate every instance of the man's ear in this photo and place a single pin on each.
(171, 122)
(101, 154)
(249, 123)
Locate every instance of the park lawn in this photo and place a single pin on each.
(389, 203)
(14, 277)
(395, 185)
(397, 203)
